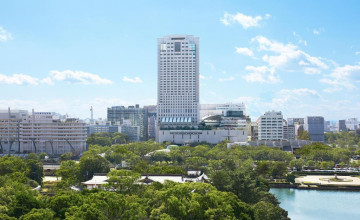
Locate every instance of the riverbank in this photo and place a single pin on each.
(322, 182)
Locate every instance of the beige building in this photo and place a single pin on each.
(21, 132)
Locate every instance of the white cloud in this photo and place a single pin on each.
(299, 39)
(357, 53)
(300, 92)
(5, 35)
(81, 77)
(244, 51)
(214, 68)
(47, 80)
(230, 78)
(211, 65)
(134, 80)
(205, 77)
(287, 57)
(262, 74)
(68, 76)
(19, 79)
(347, 77)
(318, 31)
(245, 99)
(245, 21)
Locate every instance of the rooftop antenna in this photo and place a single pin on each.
(92, 116)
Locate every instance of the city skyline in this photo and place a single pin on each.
(299, 59)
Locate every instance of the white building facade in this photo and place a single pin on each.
(178, 81)
(352, 124)
(21, 132)
(271, 126)
(183, 137)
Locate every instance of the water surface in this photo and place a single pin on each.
(312, 204)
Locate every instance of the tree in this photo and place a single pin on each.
(42, 155)
(303, 135)
(4, 216)
(23, 203)
(196, 201)
(278, 169)
(63, 201)
(327, 165)
(91, 164)
(69, 172)
(66, 156)
(98, 140)
(32, 156)
(298, 164)
(123, 181)
(119, 138)
(161, 156)
(85, 212)
(11, 164)
(290, 177)
(263, 168)
(36, 214)
(268, 211)
(36, 171)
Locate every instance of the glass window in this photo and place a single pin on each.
(163, 47)
(177, 46)
(192, 46)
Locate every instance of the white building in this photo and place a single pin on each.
(183, 137)
(207, 110)
(178, 81)
(21, 132)
(352, 124)
(271, 126)
(99, 180)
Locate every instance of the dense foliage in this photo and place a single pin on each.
(344, 139)
(238, 187)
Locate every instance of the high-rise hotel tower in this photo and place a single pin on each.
(178, 81)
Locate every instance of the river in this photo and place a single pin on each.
(313, 204)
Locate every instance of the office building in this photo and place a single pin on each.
(314, 125)
(132, 116)
(178, 81)
(151, 121)
(289, 132)
(21, 132)
(342, 125)
(271, 126)
(352, 124)
(295, 121)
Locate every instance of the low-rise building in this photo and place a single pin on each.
(99, 180)
(231, 123)
(21, 132)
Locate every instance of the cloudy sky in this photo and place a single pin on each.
(301, 58)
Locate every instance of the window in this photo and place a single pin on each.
(163, 47)
(177, 46)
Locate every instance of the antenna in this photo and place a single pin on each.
(92, 116)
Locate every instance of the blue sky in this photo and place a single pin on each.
(301, 58)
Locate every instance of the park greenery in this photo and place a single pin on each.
(238, 185)
(345, 139)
